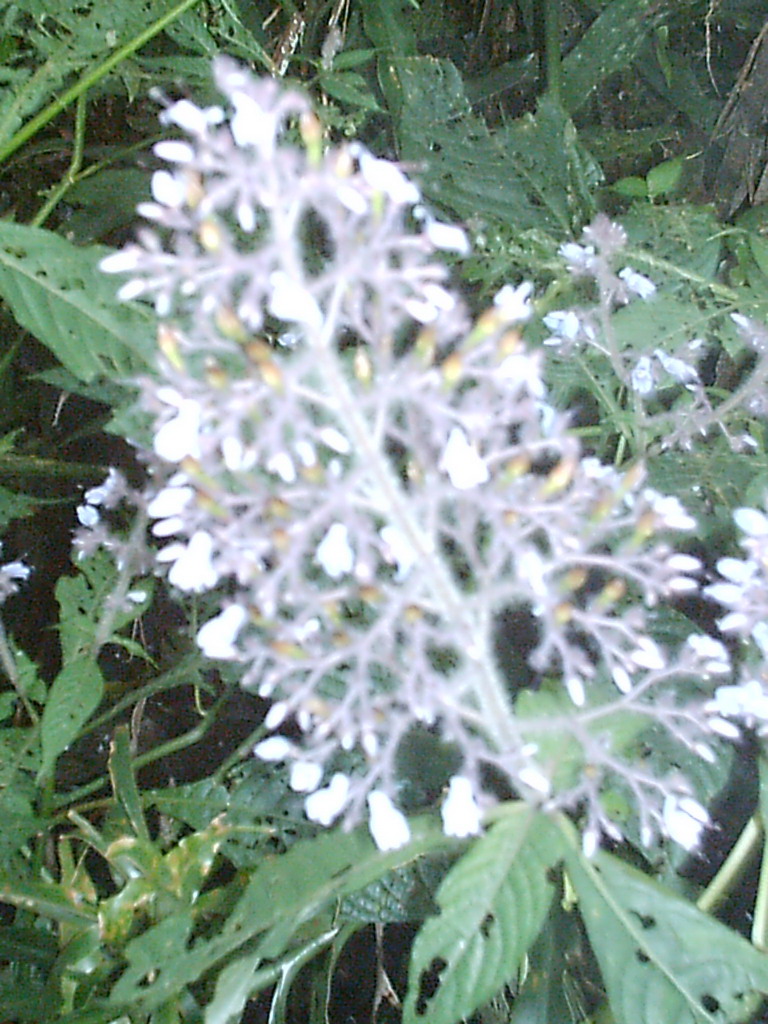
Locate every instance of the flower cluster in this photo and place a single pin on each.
(647, 373)
(368, 481)
(743, 591)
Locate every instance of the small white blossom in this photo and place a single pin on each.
(237, 458)
(677, 368)
(637, 283)
(388, 826)
(291, 301)
(747, 700)
(535, 779)
(88, 516)
(398, 549)
(334, 439)
(192, 118)
(305, 776)
(447, 237)
(384, 176)
(462, 462)
(170, 501)
(192, 568)
(751, 521)
(275, 748)
(282, 464)
(580, 258)
(334, 552)
(460, 811)
(168, 189)
(564, 324)
(325, 805)
(174, 151)
(641, 378)
(180, 436)
(647, 654)
(216, 639)
(514, 304)
(684, 820)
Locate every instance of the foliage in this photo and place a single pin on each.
(151, 868)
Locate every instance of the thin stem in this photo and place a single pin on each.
(731, 871)
(91, 78)
(75, 164)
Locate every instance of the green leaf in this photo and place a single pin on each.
(57, 293)
(664, 178)
(493, 903)
(661, 958)
(74, 696)
(611, 43)
(284, 895)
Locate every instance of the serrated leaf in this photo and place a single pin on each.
(284, 893)
(75, 694)
(493, 904)
(661, 958)
(56, 292)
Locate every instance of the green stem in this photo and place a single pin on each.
(552, 32)
(733, 868)
(91, 78)
(74, 166)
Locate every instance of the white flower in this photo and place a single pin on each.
(104, 491)
(535, 779)
(669, 510)
(751, 522)
(388, 826)
(334, 552)
(16, 570)
(677, 368)
(306, 776)
(576, 692)
(180, 436)
(641, 378)
(237, 458)
(711, 652)
(291, 301)
(637, 283)
(334, 439)
(684, 820)
(384, 176)
(88, 516)
(447, 237)
(621, 679)
(514, 303)
(398, 549)
(327, 804)
(460, 812)
(168, 189)
(282, 464)
(427, 309)
(191, 118)
(174, 151)
(216, 639)
(123, 261)
(170, 501)
(747, 700)
(250, 125)
(462, 462)
(647, 654)
(192, 567)
(580, 258)
(275, 748)
(564, 324)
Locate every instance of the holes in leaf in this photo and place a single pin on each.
(646, 920)
(486, 925)
(709, 1003)
(429, 983)
(642, 957)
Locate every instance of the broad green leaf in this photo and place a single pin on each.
(57, 293)
(661, 958)
(284, 894)
(75, 694)
(493, 903)
(532, 174)
(611, 43)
